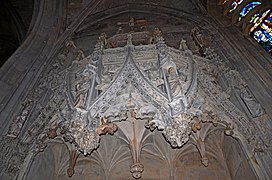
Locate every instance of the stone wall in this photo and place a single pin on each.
(30, 77)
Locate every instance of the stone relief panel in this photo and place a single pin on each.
(243, 92)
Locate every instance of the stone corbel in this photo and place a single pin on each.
(225, 122)
(76, 137)
(131, 122)
(199, 138)
(136, 168)
(201, 126)
(201, 148)
(50, 132)
(106, 127)
(178, 133)
(196, 124)
(73, 155)
(133, 130)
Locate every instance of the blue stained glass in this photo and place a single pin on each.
(267, 24)
(235, 4)
(262, 30)
(248, 8)
(264, 39)
(268, 20)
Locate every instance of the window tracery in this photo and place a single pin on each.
(259, 20)
(248, 8)
(255, 19)
(235, 4)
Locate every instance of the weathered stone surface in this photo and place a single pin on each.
(119, 98)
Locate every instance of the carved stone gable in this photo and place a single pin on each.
(135, 90)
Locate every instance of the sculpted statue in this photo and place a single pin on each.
(81, 92)
(249, 100)
(253, 106)
(182, 45)
(199, 39)
(120, 30)
(83, 85)
(106, 78)
(172, 76)
(129, 39)
(155, 78)
(131, 22)
(104, 83)
(174, 82)
(105, 127)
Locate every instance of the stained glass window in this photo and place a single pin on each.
(259, 20)
(225, 1)
(254, 18)
(248, 8)
(262, 31)
(235, 4)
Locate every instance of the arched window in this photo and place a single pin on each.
(262, 30)
(248, 8)
(259, 20)
(254, 17)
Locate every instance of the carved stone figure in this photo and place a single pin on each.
(131, 23)
(17, 124)
(182, 45)
(82, 88)
(83, 85)
(199, 39)
(105, 82)
(235, 80)
(254, 107)
(174, 82)
(106, 127)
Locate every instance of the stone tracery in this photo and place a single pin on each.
(132, 96)
(72, 82)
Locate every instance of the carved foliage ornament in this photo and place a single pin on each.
(154, 84)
